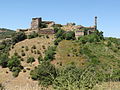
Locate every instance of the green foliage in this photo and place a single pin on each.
(16, 71)
(59, 33)
(56, 42)
(45, 73)
(70, 35)
(49, 54)
(74, 78)
(3, 60)
(14, 65)
(30, 60)
(6, 33)
(5, 46)
(94, 37)
(19, 37)
(13, 62)
(33, 35)
(2, 46)
(40, 59)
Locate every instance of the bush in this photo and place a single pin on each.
(14, 65)
(56, 42)
(2, 47)
(59, 33)
(44, 73)
(19, 37)
(15, 74)
(94, 37)
(4, 60)
(33, 35)
(70, 35)
(14, 62)
(49, 54)
(30, 60)
(40, 59)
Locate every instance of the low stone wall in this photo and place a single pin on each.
(46, 31)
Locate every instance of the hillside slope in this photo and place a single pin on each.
(23, 81)
(6, 33)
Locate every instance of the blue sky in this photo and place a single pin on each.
(18, 13)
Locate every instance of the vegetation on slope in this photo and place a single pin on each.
(6, 33)
(69, 64)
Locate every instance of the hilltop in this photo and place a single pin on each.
(59, 59)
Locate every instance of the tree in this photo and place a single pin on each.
(19, 37)
(33, 35)
(49, 54)
(3, 60)
(70, 35)
(14, 62)
(59, 33)
(44, 73)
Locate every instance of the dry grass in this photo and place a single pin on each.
(68, 52)
(108, 86)
(23, 81)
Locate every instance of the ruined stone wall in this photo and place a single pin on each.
(46, 31)
(36, 23)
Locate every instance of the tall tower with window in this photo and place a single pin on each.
(95, 22)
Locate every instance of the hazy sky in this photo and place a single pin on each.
(18, 13)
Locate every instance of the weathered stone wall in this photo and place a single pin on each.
(46, 31)
(36, 23)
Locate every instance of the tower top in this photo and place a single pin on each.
(95, 22)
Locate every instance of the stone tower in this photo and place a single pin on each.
(35, 24)
(95, 22)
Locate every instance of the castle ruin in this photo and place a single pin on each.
(46, 27)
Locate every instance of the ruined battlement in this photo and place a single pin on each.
(37, 26)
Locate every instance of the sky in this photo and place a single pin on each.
(16, 14)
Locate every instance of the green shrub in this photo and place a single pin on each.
(33, 35)
(30, 60)
(57, 41)
(45, 73)
(70, 35)
(2, 47)
(14, 62)
(49, 54)
(3, 60)
(19, 37)
(14, 65)
(15, 74)
(40, 59)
